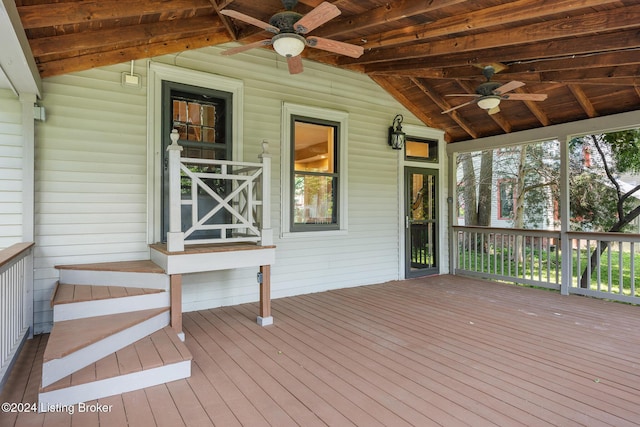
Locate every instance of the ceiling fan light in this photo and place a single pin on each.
(288, 44)
(489, 102)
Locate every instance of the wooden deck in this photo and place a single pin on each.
(446, 351)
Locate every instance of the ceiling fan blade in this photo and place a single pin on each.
(508, 87)
(475, 95)
(493, 110)
(458, 106)
(295, 64)
(322, 13)
(242, 48)
(250, 20)
(336, 47)
(525, 96)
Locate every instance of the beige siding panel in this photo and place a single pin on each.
(91, 172)
(91, 176)
(10, 169)
(368, 253)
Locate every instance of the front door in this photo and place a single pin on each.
(203, 120)
(421, 221)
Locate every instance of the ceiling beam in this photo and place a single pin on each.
(583, 100)
(535, 109)
(440, 102)
(389, 12)
(83, 43)
(533, 53)
(74, 12)
(392, 88)
(84, 62)
(572, 27)
(502, 15)
(225, 20)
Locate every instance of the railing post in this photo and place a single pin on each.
(265, 222)
(175, 236)
(28, 293)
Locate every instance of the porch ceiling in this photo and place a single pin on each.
(584, 54)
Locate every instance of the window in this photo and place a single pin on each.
(505, 199)
(424, 150)
(313, 172)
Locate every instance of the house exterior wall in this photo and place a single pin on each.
(92, 177)
(11, 157)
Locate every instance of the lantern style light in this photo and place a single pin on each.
(397, 138)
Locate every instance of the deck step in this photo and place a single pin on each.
(152, 360)
(74, 344)
(80, 301)
(138, 274)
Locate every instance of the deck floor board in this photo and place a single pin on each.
(443, 350)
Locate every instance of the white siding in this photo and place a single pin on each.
(91, 175)
(369, 252)
(10, 169)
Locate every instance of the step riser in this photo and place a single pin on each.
(81, 310)
(109, 278)
(57, 369)
(115, 385)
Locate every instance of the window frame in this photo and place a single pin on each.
(321, 116)
(500, 183)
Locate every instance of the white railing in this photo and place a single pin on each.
(600, 265)
(229, 201)
(604, 265)
(529, 257)
(16, 303)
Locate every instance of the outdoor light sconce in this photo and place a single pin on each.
(396, 136)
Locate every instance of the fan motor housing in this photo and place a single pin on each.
(285, 21)
(487, 88)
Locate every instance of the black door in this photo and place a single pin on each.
(203, 120)
(421, 221)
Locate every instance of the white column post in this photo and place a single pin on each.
(566, 268)
(265, 221)
(175, 236)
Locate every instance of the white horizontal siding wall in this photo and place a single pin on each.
(369, 252)
(91, 174)
(90, 177)
(11, 155)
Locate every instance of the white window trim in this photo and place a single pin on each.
(158, 73)
(340, 117)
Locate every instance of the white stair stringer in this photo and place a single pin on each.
(56, 369)
(102, 307)
(107, 278)
(115, 385)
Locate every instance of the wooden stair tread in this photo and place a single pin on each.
(66, 294)
(142, 266)
(159, 349)
(71, 335)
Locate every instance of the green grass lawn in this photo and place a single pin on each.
(544, 266)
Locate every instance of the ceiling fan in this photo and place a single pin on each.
(489, 94)
(289, 28)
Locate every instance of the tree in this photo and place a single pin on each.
(476, 190)
(618, 152)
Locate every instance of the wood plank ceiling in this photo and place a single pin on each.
(584, 54)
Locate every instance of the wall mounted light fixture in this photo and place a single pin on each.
(397, 138)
